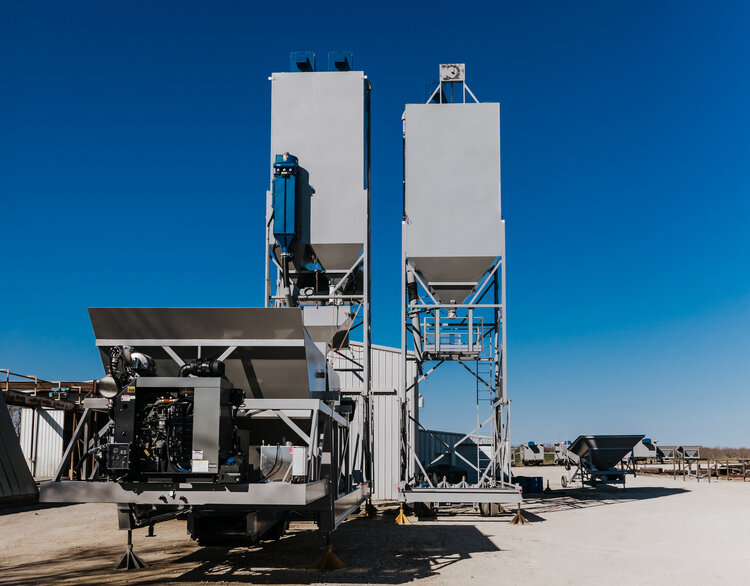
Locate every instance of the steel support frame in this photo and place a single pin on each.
(359, 307)
(588, 473)
(506, 496)
(329, 431)
(498, 468)
(494, 480)
(316, 411)
(359, 304)
(438, 92)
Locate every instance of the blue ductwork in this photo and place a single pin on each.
(284, 201)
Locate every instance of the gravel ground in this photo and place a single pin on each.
(656, 531)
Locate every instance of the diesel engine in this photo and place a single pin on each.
(166, 428)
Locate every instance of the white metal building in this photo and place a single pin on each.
(42, 440)
(385, 364)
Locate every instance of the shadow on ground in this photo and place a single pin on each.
(583, 498)
(375, 550)
(403, 555)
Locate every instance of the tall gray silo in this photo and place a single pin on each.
(318, 208)
(453, 288)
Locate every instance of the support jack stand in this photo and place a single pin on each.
(370, 509)
(329, 560)
(130, 561)
(401, 519)
(150, 531)
(518, 518)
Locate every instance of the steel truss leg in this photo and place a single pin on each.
(130, 561)
(402, 519)
(518, 518)
(329, 560)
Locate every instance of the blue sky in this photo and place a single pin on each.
(134, 153)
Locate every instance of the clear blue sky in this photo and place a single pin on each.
(134, 161)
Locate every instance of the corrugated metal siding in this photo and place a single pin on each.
(44, 450)
(16, 483)
(385, 368)
(430, 448)
(386, 365)
(386, 455)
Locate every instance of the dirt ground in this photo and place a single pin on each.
(657, 531)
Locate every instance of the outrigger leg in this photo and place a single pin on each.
(329, 560)
(130, 561)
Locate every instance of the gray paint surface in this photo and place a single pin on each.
(277, 493)
(319, 117)
(16, 483)
(452, 198)
(262, 370)
(324, 322)
(211, 409)
(604, 451)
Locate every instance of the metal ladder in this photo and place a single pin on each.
(485, 369)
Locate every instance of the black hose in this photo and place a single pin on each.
(202, 368)
(412, 291)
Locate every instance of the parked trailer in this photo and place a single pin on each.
(234, 418)
(532, 454)
(599, 456)
(645, 449)
(689, 452)
(563, 455)
(169, 445)
(666, 453)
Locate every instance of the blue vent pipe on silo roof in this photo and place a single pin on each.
(340, 61)
(284, 201)
(301, 61)
(305, 61)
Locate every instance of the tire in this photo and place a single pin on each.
(564, 481)
(489, 509)
(424, 510)
(277, 532)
